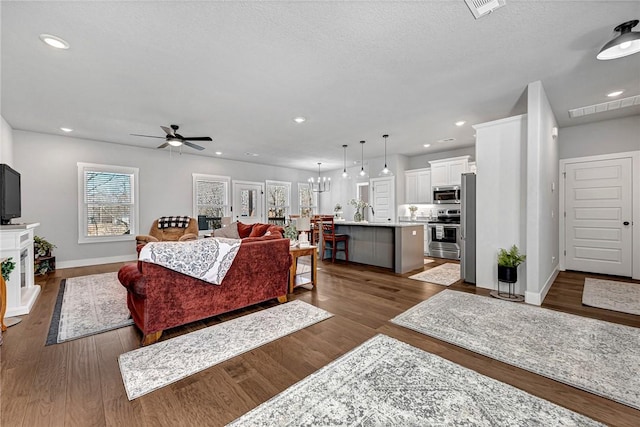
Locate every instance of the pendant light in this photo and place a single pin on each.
(362, 172)
(323, 184)
(385, 171)
(345, 175)
(627, 43)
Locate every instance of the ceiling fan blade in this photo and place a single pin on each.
(198, 138)
(169, 131)
(163, 145)
(189, 144)
(147, 136)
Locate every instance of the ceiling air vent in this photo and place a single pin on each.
(479, 8)
(605, 106)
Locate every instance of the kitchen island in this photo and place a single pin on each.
(398, 246)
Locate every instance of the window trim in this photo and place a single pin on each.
(287, 185)
(83, 238)
(226, 180)
(314, 198)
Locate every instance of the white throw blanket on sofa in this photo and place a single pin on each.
(205, 259)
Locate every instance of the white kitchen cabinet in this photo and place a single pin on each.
(448, 171)
(472, 167)
(418, 186)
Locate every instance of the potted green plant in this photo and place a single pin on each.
(508, 262)
(7, 267)
(41, 247)
(291, 232)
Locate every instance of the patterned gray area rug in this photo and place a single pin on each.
(612, 295)
(445, 274)
(150, 368)
(88, 305)
(386, 382)
(596, 356)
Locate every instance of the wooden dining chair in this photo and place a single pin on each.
(331, 240)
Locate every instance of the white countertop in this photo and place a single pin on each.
(379, 224)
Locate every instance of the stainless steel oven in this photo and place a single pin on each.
(444, 240)
(448, 194)
(443, 235)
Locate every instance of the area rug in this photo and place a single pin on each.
(595, 356)
(612, 295)
(386, 382)
(88, 305)
(150, 368)
(445, 274)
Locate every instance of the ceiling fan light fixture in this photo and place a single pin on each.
(174, 142)
(625, 44)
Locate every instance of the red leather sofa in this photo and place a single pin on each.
(159, 298)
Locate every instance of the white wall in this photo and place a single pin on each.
(48, 164)
(604, 137)
(542, 196)
(500, 188)
(6, 142)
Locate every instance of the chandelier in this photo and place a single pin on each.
(322, 184)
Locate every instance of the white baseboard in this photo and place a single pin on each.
(96, 261)
(536, 298)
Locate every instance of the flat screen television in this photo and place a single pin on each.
(10, 202)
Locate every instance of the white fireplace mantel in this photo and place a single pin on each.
(16, 241)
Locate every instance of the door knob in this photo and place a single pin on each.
(625, 223)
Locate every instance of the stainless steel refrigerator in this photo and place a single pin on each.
(468, 227)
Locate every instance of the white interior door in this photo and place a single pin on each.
(248, 202)
(383, 199)
(598, 232)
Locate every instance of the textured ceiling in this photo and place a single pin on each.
(240, 71)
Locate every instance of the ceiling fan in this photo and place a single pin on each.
(176, 140)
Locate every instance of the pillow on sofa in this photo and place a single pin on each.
(244, 230)
(259, 230)
(230, 231)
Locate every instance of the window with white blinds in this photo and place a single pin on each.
(108, 209)
(210, 200)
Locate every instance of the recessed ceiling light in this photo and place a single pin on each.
(615, 93)
(446, 140)
(66, 129)
(54, 41)
(300, 119)
(427, 145)
(218, 153)
(460, 123)
(251, 154)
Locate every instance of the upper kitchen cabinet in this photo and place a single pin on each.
(448, 171)
(418, 186)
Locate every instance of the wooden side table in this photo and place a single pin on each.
(297, 253)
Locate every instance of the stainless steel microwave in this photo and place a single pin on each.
(448, 194)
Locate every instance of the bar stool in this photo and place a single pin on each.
(331, 240)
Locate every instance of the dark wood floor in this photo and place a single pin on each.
(78, 383)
